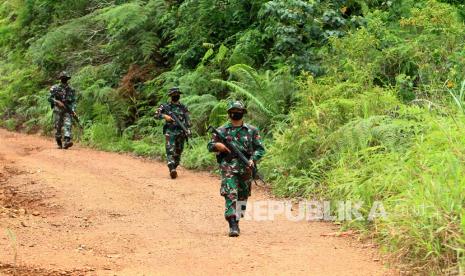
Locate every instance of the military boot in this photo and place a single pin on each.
(233, 227)
(68, 143)
(59, 142)
(173, 172)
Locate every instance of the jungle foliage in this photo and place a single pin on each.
(358, 100)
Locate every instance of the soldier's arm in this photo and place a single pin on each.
(259, 148)
(211, 145)
(159, 113)
(73, 101)
(51, 97)
(216, 144)
(187, 116)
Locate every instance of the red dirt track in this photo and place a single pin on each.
(86, 212)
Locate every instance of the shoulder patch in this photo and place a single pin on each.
(251, 127)
(55, 87)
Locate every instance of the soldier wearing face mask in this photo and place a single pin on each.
(62, 100)
(174, 134)
(236, 177)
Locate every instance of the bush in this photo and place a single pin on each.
(196, 155)
(356, 137)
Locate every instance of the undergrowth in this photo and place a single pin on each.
(357, 100)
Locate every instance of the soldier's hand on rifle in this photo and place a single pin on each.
(189, 133)
(168, 118)
(222, 148)
(60, 104)
(251, 164)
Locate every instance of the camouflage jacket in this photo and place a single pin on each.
(63, 93)
(179, 110)
(246, 138)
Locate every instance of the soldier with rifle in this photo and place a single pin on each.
(63, 102)
(176, 128)
(239, 147)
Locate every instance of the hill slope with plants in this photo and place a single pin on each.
(358, 100)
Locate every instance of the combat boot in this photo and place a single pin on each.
(68, 143)
(59, 142)
(233, 227)
(173, 172)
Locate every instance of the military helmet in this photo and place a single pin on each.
(174, 90)
(64, 75)
(237, 105)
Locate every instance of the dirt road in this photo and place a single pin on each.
(85, 212)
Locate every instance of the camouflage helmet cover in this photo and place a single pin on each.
(174, 90)
(64, 75)
(237, 105)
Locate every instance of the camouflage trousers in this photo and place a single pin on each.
(174, 147)
(62, 120)
(236, 190)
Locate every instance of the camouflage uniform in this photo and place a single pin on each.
(175, 137)
(236, 178)
(62, 118)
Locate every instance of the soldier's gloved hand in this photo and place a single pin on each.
(189, 133)
(222, 148)
(168, 118)
(251, 164)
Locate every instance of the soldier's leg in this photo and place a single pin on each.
(243, 193)
(169, 145)
(244, 189)
(179, 148)
(229, 190)
(170, 153)
(67, 127)
(58, 124)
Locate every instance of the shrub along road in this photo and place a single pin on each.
(88, 212)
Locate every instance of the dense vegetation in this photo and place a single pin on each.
(358, 99)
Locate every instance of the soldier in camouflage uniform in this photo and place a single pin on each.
(236, 177)
(63, 100)
(174, 134)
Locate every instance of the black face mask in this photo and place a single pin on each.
(175, 98)
(236, 116)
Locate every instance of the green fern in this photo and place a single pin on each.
(242, 93)
(269, 95)
(123, 19)
(201, 109)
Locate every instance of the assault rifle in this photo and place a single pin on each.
(235, 151)
(70, 111)
(178, 122)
